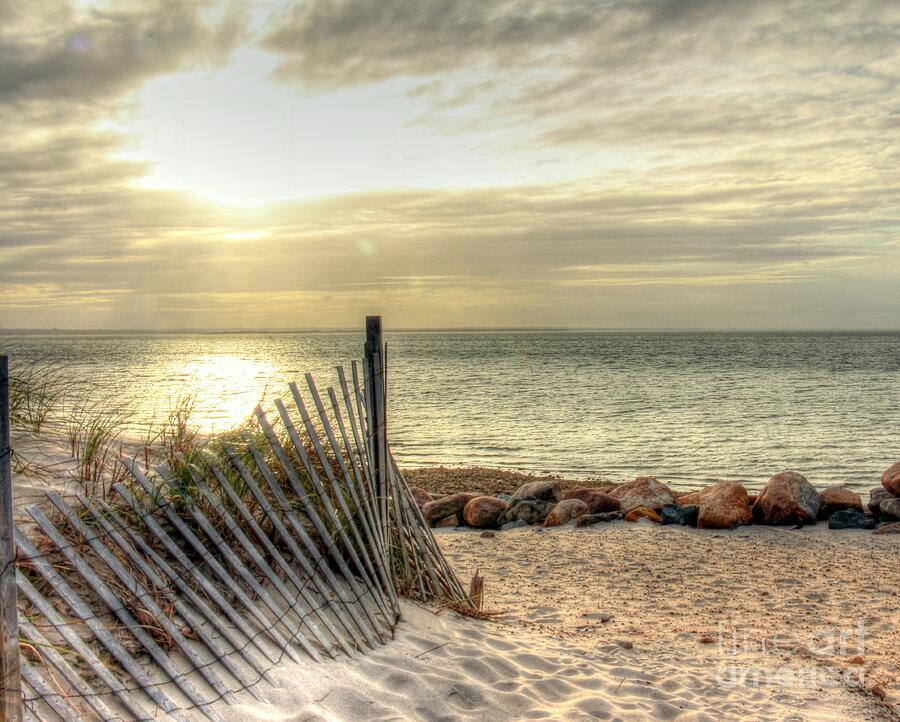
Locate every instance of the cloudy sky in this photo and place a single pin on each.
(450, 163)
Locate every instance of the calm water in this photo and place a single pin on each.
(686, 407)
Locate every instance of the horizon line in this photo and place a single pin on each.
(213, 331)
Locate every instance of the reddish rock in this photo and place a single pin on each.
(721, 505)
(876, 496)
(482, 512)
(436, 511)
(421, 496)
(643, 512)
(565, 512)
(598, 502)
(787, 498)
(893, 528)
(643, 491)
(537, 491)
(838, 498)
(890, 479)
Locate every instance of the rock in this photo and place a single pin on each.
(483, 512)
(890, 479)
(787, 498)
(517, 524)
(421, 496)
(436, 511)
(625, 644)
(856, 660)
(531, 511)
(537, 491)
(893, 528)
(722, 505)
(504, 498)
(850, 519)
(642, 512)
(890, 509)
(644, 491)
(487, 535)
(598, 502)
(566, 511)
(876, 496)
(836, 498)
(680, 515)
(590, 519)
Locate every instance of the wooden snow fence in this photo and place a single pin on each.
(185, 586)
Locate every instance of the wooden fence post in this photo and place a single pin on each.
(11, 702)
(377, 421)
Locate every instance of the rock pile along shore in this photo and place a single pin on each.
(786, 499)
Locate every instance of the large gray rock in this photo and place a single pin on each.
(601, 518)
(890, 509)
(850, 519)
(787, 498)
(538, 491)
(644, 491)
(686, 515)
(876, 496)
(531, 511)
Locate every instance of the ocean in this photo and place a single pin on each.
(685, 407)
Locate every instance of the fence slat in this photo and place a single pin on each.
(11, 700)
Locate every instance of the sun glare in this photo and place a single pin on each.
(224, 389)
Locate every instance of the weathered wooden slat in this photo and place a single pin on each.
(359, 552)
(78, 645)
(99, 630)
(53, 659)
(50, 695)
(297, 528)
(309, 508)
(300, 587)
(143, 595)
(241, 622)
(240, 643)
(183, 609)
(320, 575)
(10, 689)
(369, 544)
(253, 552)
(99, 587)
(212, 562)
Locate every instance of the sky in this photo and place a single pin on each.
(713, 164)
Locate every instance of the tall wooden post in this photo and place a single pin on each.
(11, 702)
(377, 414)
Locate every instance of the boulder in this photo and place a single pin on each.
(598, 502)
(722, 505)
(850, 519)
(890, 479)
(787, 498)
(436, 511)
(510, 525)
(590, 519)
(837, 498)
(531, 511)
(482, 512)
(679, 515)
(421, 496)
(890, 509)
(537, 491)
(876, 496)
(644, 491)
(893, 528)
(643, 512)
(566, 511)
